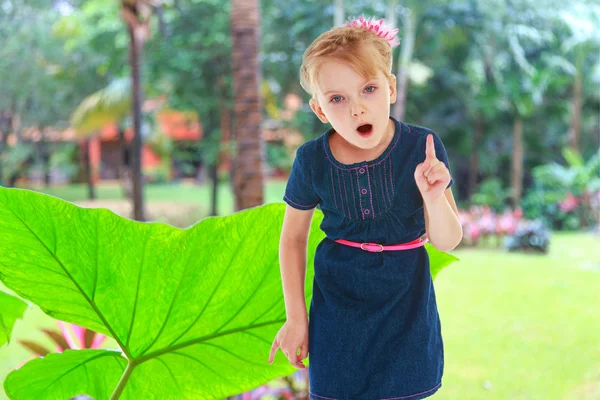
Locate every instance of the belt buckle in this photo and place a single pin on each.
(372, 244)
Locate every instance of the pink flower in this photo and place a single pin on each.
(75, 336)
(569, 204)
(507, 223)
(473, 231)
(379, 27)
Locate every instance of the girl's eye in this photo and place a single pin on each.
(333, 99)
(370, 87)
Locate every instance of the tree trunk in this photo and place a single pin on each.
(18, 130)
(136, 44)
(390, 15)
(214, 176)
(6, 127)
(45, 154)
(517, 161)
(224, 156)
(88, 169)
(575, 128)
(474, 161)
(248, 181)
(123, 167)
(406, 52)
(338, 12)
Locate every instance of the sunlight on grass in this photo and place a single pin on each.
(187, 193)
(522, 326)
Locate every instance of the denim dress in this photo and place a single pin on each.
(374, 329)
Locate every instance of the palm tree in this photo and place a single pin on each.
(412, 13)
(136, 14)
(582, 20)
(106, 106)
(338, 12)
(247, 171)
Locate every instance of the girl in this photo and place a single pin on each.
(384, 189)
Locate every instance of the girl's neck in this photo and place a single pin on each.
(347, 153)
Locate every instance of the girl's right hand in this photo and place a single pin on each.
(291, 336)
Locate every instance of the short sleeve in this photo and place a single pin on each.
(440, 153)
(299, 191)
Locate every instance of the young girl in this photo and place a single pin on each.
(384, 189)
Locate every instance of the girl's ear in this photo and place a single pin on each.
(392, 88)
(314, 105)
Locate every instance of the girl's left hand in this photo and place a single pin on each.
(432, 176)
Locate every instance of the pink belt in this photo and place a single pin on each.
(378, 248)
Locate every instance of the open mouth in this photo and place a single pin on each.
(365, 130)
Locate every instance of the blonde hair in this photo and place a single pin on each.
(359, 48)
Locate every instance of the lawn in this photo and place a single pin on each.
(519, 326)
(180, 193)
(515, 326)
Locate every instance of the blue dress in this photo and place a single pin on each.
(374, 329)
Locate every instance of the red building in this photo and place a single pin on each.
(184, 129)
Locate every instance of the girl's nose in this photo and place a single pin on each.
(357, 109)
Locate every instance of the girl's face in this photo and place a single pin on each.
(357, 108)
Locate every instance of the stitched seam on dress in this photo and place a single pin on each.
(300, 205)
(392, 179)
(321, 397)
(380, 161)
(346, 193)
(340, 188)
(385, 206)
(353, 194)
(386, 182)
(416, 394)
(377, 198)
(360, 196)
(384, 192)
(306, 173)
(389, 398)
(332, 187)
(370, 193)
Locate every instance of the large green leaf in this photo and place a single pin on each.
(438, 260)
(66, 375)
(193, 310)
(11, 308)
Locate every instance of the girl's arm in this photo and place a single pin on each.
(292, 260)
(442, 224)
(432, 176)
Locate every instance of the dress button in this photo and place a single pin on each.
(367, 211)
(362, 170)
(364, 191)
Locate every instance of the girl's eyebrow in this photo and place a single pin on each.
(337, 91)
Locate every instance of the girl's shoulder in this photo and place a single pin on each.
(416, 138)
(418, 133)
(416, 143)
(311, 151)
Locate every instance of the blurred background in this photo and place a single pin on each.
(176, 110)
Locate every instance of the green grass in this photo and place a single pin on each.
(524, 326)
(184, 193)
(515, 326)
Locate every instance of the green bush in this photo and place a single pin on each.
(491, 193)
(555, 183)
(278, 156)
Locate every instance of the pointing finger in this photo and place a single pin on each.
(430, 148)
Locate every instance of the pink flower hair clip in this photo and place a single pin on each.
(380, 28)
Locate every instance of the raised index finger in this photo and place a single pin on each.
(430, 148)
